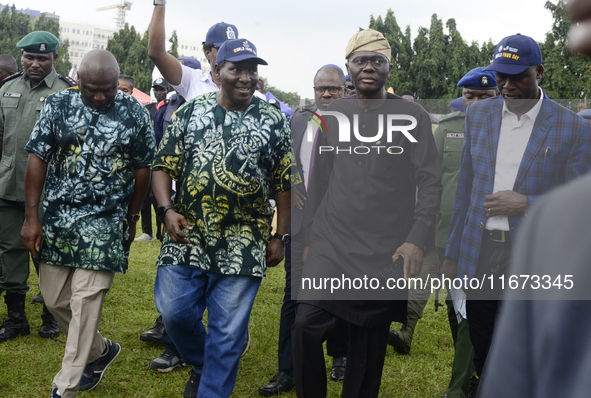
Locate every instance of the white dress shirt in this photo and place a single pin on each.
(513, 139)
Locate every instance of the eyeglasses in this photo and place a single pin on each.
(377, 62)
(331, 89)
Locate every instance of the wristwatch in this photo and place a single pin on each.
(159, 2)
(163, 209)
(283, 238)
(133, 217)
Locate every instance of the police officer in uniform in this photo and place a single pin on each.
(449, 138)
(21, 99)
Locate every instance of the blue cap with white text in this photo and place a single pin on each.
(514, 54)
(239, 50)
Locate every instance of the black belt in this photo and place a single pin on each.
(497, 236)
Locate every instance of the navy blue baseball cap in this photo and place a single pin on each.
(190, 62)
(478, 79)
(220, 32)
(514, 54)
(239, 50)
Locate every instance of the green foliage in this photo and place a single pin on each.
(438, 58)
(48, 25)
(567, 75)
(290, 98)
(121, 42)
(131, 51)
(174, 40)
(435, 61)
(13, 27)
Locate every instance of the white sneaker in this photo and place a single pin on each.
(145, 238)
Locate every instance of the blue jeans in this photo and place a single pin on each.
(182, 292)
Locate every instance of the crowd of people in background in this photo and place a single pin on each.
(82, 162)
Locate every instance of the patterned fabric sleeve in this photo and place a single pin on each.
(42, 141)
(284, 172)
(144, 144)
(171, 151)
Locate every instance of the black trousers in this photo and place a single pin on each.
(481, 320)
(365, 356)
(146, 212)
(482, 305)
(336, 345)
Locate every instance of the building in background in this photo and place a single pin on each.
(83, 38)
(194, 48)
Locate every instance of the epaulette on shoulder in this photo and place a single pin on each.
(12, 77)
(451, 116)
(162, 103)
(71, 82)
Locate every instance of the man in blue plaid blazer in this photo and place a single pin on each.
(516, 148)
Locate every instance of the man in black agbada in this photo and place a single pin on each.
(363, 211)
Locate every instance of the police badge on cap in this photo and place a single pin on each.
(40, 42)
(478, 79)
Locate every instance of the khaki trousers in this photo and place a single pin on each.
(75, 297)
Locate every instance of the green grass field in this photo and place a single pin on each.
(28, 364)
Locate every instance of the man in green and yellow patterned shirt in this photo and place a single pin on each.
(227, 150)
(95, 146)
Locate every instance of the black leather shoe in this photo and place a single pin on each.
(338, 369)
(38, 299)
(192, 386)
(279, 383)
(396, 341)
(49, 327)
(154, 335)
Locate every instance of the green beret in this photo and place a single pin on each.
(40, 42)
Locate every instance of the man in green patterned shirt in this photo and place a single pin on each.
(227, 150)
(92, 148)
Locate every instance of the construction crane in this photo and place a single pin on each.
(122, 7)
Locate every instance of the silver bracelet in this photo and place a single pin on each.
(159, 2)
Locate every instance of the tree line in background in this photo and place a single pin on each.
(430, 65)
(14, 26)
(433, 63)
(131, 51)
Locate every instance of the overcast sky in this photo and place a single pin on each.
(298, 38)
